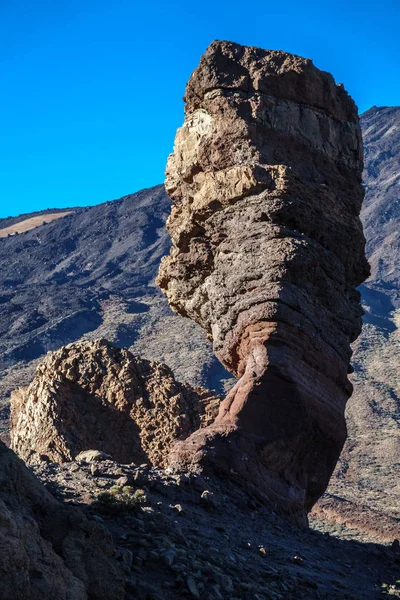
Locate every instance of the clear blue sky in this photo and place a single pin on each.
(90, 91)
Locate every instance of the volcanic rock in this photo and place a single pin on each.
(228, 543)
(368, 471)
(48, 550)
(94, 396)
(90, 275)
(267, 252)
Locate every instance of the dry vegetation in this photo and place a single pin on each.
(31, 223)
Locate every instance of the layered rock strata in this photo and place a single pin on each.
(268, 250)
(92, 395)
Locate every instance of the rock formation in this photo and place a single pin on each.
(90, 275)
(48, 550)
(267, 252)
(92, 395)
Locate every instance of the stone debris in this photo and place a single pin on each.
(167, 551)
(90, 456)
(50, 550)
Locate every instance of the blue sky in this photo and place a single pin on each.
(90, 91)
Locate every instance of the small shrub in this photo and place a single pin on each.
(119, 500)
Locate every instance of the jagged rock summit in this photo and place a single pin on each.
(92, 395)
(268, 250)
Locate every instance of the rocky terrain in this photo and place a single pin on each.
(52, 295)
(95, 528)
(91, 275)
(106, 531)
(48, 550)
(94, 395)
(268, 250)
(184, 536)
(369, 467)
(97, 524)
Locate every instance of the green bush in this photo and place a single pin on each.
(120, 499)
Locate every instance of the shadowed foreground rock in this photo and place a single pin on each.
(92, 395)
(48, 550)
(267, 252)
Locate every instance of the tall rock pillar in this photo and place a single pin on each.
(268, 250)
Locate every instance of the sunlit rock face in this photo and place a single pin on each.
(92, 395)
(268, 250)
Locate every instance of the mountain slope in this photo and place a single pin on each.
(89, 275)
(381, 211)
(369, 468)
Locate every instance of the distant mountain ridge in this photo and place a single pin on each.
(7, 221)
(369, 467)
(381, 210)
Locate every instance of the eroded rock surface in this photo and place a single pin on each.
(267, 252)
(48, 550)
(87, 276)
(200, 537)
(92, 395)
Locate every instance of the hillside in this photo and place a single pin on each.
(90, 274)
(369, 467)
(381, 211)
(31, 223)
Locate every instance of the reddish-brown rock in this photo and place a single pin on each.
(267, 253)
(92, 395)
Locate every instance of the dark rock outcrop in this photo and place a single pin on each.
(48, 550)
(267, 252)
(92, 395)
(195, 537)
